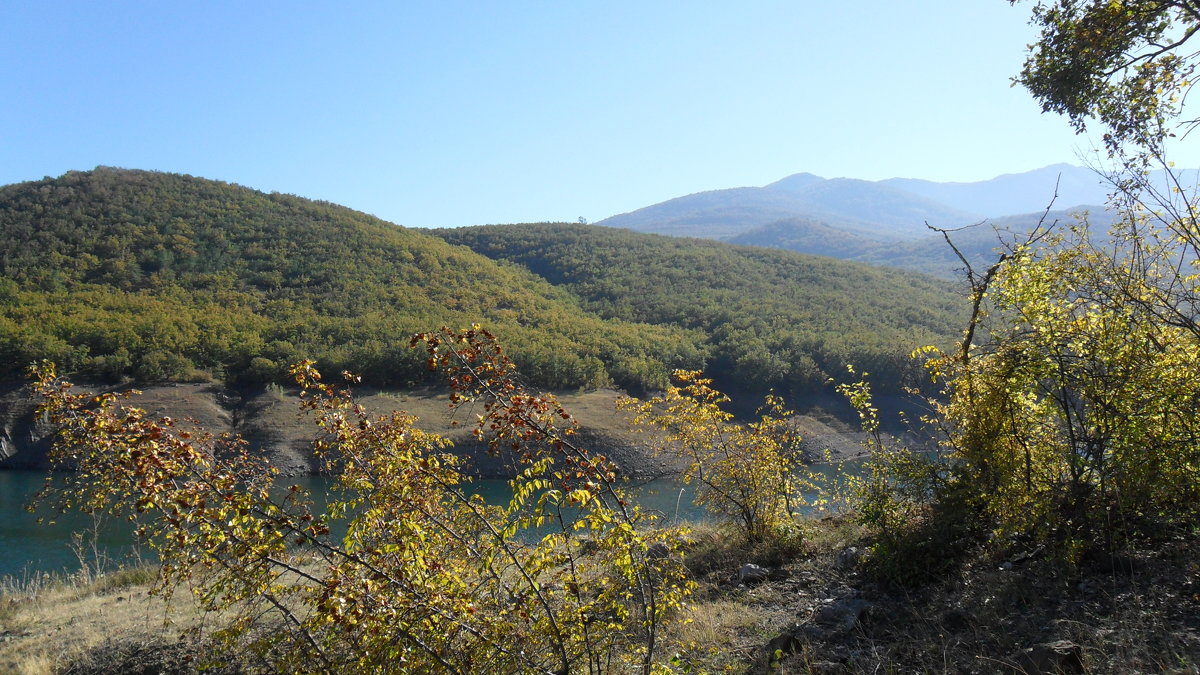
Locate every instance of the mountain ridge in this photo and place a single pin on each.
(896, 207)
(883, 222)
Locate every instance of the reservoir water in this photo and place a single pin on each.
(28, 547)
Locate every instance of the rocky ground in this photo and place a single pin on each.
(824, 609)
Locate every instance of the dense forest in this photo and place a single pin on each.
(152, 276)
(770, 318)
(117, 273)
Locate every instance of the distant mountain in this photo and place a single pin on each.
(980, 245)
(884, 222)
(929, 254)
(717, 214)
(875, 208)
(888, 210)
(815, 237)
(1015, 193)
(881, 209)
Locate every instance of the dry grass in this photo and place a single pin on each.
(728, 623)
(723, 635)
(48, 623)
(988, 614)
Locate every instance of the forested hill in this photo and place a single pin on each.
(771, 318)
(119, 273)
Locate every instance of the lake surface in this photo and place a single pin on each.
(28, 548)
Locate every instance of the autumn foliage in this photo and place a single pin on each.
(567, 577)
(747, 474)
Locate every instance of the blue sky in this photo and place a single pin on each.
(457, 113)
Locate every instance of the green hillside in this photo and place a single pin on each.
(119, 273)
(771, 318)
(815, 237)
(981, 244)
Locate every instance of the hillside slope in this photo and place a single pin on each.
(771, 318)
(118, 273)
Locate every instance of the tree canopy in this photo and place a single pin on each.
(768, 318)
(118, 273)
(1123, 63)
(1071, 403)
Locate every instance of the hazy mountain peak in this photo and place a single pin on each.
(796, 181)
(868, 206)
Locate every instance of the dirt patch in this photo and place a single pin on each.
(272, 424)
(823, 435)
(602, 429)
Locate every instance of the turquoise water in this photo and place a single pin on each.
(28, 548)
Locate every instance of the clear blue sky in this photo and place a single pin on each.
(456, 113)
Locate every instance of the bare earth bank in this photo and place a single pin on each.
(272, 424)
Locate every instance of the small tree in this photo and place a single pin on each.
(428, 578)
(894, 489)
(748, 474)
